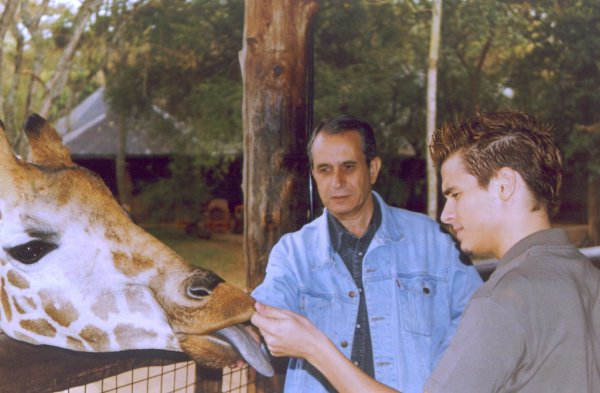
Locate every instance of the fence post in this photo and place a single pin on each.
(208, 380)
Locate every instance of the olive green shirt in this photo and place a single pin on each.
(533, 327)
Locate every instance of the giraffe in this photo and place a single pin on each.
(77, 273)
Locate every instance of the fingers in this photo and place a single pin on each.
(271, 312)
(259, 320)
(253, 332)
(237, 364)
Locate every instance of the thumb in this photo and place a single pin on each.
(270, 311)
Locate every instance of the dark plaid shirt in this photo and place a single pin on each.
(352, 251)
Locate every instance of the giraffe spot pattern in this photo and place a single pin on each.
(131, 266)
(95, 337)
(75, 344)
(18, 306)
(30, 302)
(104, 305)
(135, 300)
(17, 280)
(5, 303)
(112, 235)
(58, 308)
(28, 339)
(38, 326)
(128, 335)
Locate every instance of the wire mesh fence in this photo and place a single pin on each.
(182, 377)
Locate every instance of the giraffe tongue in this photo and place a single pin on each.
(248, 348)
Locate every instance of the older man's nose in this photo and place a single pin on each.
(338, 178)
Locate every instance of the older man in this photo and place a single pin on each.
(385, 285)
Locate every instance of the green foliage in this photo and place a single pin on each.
(480, 42)
(558, 77)
(191, 184)
(370, 60)
(178, 197)
(181, 57)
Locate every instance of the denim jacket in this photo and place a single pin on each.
(415, 287)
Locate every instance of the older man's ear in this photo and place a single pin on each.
(374, 168)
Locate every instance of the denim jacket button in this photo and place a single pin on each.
(344, 344)
(352, 294)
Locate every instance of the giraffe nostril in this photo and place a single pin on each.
(198, 292)
(202, 283)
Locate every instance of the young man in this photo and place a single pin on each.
(384, 284)
(534, 326)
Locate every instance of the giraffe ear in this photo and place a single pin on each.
(46, 145)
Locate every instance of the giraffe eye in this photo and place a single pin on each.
(32, 251)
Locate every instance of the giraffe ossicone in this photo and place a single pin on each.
(77, 273)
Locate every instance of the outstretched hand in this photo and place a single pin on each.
(287, 333)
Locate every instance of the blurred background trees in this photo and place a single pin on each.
(174, 65)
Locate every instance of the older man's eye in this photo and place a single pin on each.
(31, 252)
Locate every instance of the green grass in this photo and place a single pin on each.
(222, 253)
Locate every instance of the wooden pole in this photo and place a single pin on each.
(273, 61)
(434, 49)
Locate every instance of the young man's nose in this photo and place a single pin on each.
(447, 215)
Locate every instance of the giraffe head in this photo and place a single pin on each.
(77, 273)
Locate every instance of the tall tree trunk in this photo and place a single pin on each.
(593, 207)
(274, 66)
(59, 77)
(10, 104)
(6, 21)
(434, 50)
(32, 23)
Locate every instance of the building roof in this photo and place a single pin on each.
(91, 130)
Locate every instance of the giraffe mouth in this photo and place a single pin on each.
(247, 347)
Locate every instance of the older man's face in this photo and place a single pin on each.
(342, 175)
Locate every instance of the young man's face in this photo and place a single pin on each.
(343, 178)
(470, 210)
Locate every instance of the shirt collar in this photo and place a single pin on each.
(337, 230)
(544, 237)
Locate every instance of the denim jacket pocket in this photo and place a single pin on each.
(417, 303)
(319, 308)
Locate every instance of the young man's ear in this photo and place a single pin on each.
(506, 179)
(374, 168)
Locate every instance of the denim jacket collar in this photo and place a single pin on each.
(387, 232)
